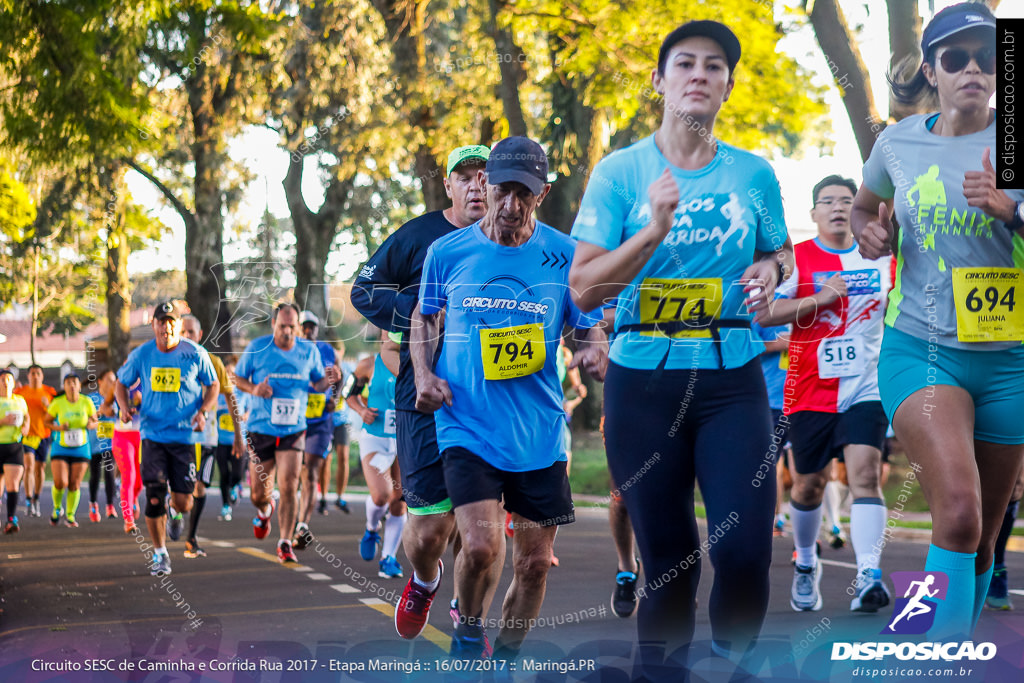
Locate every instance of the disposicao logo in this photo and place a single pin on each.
(914, 613)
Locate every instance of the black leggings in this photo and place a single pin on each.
(104, 460)
(231, 470)
(713, 426)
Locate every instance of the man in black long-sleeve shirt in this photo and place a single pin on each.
(386, 292)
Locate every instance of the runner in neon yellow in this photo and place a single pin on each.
(14, 424)
(70, 417)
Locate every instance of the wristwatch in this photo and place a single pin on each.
(1017, 222)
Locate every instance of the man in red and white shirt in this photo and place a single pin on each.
(836, 302)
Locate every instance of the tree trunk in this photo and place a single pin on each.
(510, 64)
(431, 177)
(116, 271)
(847, 67)
(904, 41)
(35, 304)
(204, 248)
(310, 251)
(405, 23)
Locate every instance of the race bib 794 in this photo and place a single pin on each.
(509, 352)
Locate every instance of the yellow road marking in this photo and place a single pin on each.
(432, 634)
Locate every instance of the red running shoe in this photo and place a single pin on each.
(285, 553)
(413, 607)
(261, 525)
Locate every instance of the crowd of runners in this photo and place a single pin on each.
(731, 360)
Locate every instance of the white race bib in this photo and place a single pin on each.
(389, 422)
(73, 438)
(284, 411)
(840, 357)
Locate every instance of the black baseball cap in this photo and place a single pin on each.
(956, 18)
(518, 159)
(720, 33)
(165, 310)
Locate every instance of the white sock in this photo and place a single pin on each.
(844, 495)
(162, 550)
(374, 513)
(805, 532)
(867, 524)
(393, 526)
(830, 505)
(431, 585)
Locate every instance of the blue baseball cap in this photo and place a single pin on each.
(518, 159)
(955, 19)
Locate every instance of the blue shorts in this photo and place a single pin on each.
(992, 378)
(318, 438)
(41, 451)
(419, 462)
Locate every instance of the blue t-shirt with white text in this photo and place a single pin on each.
(505, 311)
(172, 388)
(726, 211)
(289, 374)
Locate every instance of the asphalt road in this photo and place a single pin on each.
(80, 605)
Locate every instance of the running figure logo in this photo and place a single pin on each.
(915, 612)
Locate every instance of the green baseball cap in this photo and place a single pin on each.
(461, 154)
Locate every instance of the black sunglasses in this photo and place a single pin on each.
(956, 59)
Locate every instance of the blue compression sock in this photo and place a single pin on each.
(981, 583)
(953, 615)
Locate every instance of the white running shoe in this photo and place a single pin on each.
(805, 595)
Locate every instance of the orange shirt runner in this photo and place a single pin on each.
(37, 400)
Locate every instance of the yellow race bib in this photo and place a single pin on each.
(989, 304)
(226, 422)
(315, 405)
(105, 430)
(665, 301)
(784, 360)
(165, 379)
(32, 441)
(510, 352)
